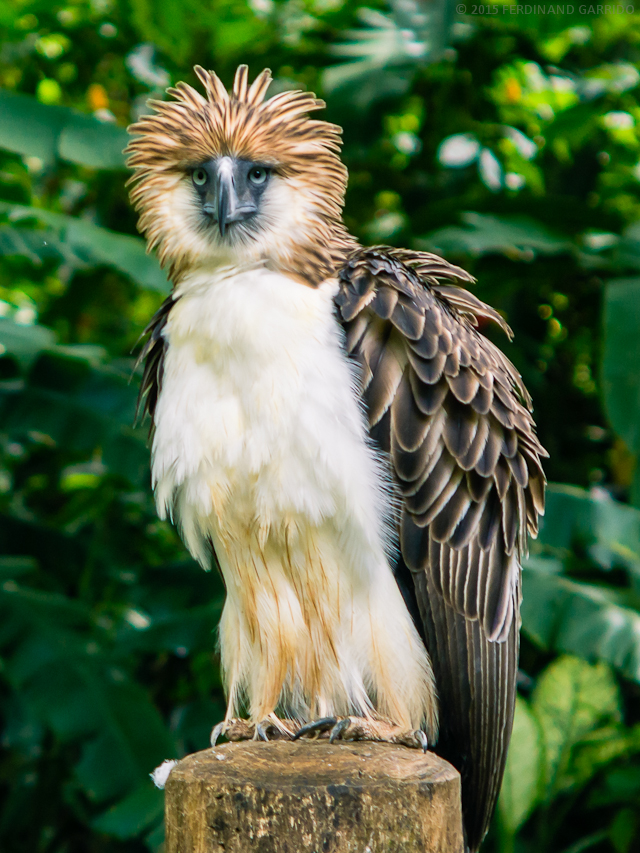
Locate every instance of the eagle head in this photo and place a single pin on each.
(234, 178)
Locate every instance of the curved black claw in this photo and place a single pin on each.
(422, 739)
(339, 729)
(321, 725)
(216, 732)
(261, 731)
(359, 728)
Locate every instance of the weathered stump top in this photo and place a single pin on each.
(283, 797)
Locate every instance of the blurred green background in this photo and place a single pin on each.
(507, 141)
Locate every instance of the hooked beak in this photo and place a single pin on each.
(226, 202)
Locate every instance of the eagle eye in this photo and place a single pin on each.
(199, 177)
(258, 175)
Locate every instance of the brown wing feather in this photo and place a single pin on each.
(152, 357)
(453, 414)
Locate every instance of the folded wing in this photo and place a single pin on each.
(452, 413)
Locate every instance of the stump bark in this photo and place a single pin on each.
(313, 797)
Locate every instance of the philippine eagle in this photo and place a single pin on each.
(331, 428)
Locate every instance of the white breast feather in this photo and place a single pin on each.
(260, 448)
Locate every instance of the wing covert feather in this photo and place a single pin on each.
(454, 416)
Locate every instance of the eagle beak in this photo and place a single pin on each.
(232, 199)
(228, 201)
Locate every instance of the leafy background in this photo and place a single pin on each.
(507, 141)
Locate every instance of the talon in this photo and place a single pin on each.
(365, 728)
(339, 729)
(261, 732)
(216, 732)
(422, 739)
(321, 725)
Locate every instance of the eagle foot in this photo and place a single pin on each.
(236, 729)
(362, 728)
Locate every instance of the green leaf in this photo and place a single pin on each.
(80, 243)
(155, 839)
(49, 132)
(575, 125)
(598, 749)
(609, 529)
(82, 406)
(571, 699)
(36, 245)
(55, 659)
(187, 628)
(131, 816)
(167, 25)
(384, 53)
(14, 567)
(132, 740)
(621, 356)
(623, 830)
(523, 772)
(511, 236)
(626, 253)
(360, 85)
(587, 842)
(566, 616)
(24, 343)
(619, 785)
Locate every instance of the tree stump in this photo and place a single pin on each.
(283, 797)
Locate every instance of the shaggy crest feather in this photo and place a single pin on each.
(276, 132)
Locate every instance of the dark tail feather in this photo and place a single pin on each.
(476, 682)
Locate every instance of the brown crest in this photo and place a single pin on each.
(277, 132)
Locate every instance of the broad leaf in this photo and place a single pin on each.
(56, 661)
(621, 356)
(177, 610)
(132, 739)
(620, 785)
(81, 405)
(383, 54)
(575, 125)
(485, 234)
(36, 245)
(598, 749)
(622, 832)
(571, 700)
(181, 629)
(627, 250)
(14, 567)
(523, 772)
(80, 243)
(24, 342)
(143, 808)
(609, 529)
(564, 616)
(50, 133)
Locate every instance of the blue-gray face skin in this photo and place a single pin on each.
(230, 189)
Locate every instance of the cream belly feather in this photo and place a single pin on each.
(260, 449)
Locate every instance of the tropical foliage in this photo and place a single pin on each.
(507, 141)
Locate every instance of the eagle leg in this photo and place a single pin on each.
(363, 728)
(236, 729)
